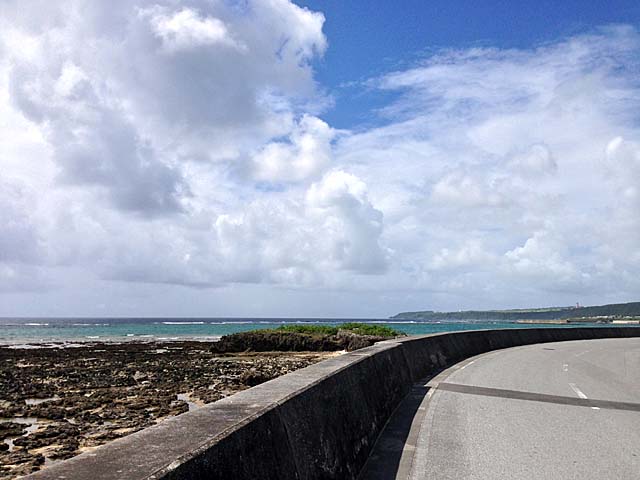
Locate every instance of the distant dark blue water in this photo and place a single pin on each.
(16, 331)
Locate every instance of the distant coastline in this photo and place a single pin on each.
(612, 313)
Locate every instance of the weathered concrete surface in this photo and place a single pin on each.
(320, 422)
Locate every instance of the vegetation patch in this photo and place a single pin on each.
(312, 338)
(307, 329)
(351, 327)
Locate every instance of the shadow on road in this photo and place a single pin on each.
(386, 461)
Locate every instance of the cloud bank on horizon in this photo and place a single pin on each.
(176, 153)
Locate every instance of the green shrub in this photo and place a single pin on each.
(309, 329)
(369, 329)
(353, 327)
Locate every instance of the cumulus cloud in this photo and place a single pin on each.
(306, 154)
(463, 190)
(181, 145)
(186, 29)
(512, 169)
(127, 93)
(302, 242)
(541, 257)
(536, 160)
(623, 158)
(21, 244)
(138, 113)
(19, 241)
(348, 222)
(470, 254)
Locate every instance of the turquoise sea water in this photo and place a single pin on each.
(14, 331)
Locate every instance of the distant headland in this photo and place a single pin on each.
(613, 313)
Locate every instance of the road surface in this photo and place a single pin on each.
(566, 410)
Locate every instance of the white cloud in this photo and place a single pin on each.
(534, 161)
(542, 257)
(187, 29)
(304, 156)
(181, 145)
(508, 149)
(623, 158)
(20, 240)
(466, 191)
(124, 117)
(349, 224)
(471, 254)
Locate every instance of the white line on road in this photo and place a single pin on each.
(465, 366)
(565, 367)
(581, 394)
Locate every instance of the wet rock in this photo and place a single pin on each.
(109, 390)
(11, 429)
(253, 377)
(18, 462)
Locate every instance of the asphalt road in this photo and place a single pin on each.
(567, 410)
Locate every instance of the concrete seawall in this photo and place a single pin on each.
(316, 423)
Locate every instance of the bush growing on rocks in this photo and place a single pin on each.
(301, 338)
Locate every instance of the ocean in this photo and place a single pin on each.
(30, 331)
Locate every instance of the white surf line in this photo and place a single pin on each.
(581, 394)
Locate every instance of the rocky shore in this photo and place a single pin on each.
(58, 402)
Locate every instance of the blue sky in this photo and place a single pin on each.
(367, 39)
(318, 159)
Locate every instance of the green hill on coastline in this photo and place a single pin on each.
(600, 312)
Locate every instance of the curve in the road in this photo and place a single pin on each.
(563, 410)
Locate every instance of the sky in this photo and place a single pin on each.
(317, 158)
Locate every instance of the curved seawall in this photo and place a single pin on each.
(316, 423)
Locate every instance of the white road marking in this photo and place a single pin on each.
(565, 367)
(581, 394)
(465, 366)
